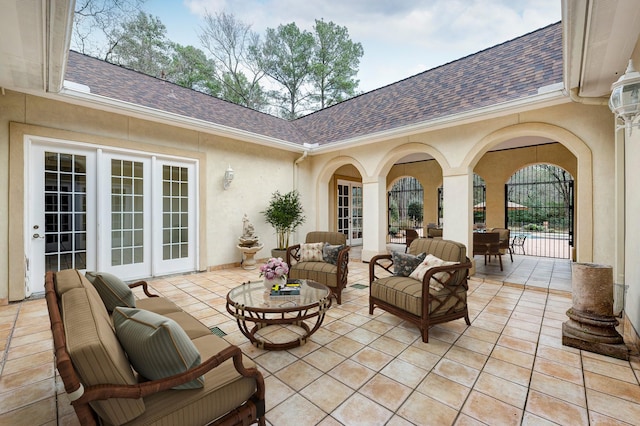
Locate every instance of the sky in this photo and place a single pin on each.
(400, 38)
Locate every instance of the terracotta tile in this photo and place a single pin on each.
(25, 395)
(519, 333)
(298, 374)
(30, 349)
(278, 392)
(351, 374)
(517, 344)
(555, 409)
(508, 371)
(326, 392)
(305, 412)
(558, 388)
(464, 420)
(435, 346)
(324, 359)
(363, 336)
(345, 346)
(420, 407)
(613, 387)
(467, 357)
(613, 407)
(389, 346)
(443, 334)
(385, 391)
(398, 421)
(359, 410)
(457, 372)
(482, 334)
(515, 357)
(609, 369)
(377, 327)
(532, 420)
(475, 345)
(274, 361)
(490, 410)
(502, 389)
(39, 412)
(561, 371)
(561, 355)
(404, 372)
(22, 378)
(339, 327)
(444, 390)
(597, 419)
(372, 358)
(423, 359)
(404, 335)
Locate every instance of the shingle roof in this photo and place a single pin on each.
(509, 71)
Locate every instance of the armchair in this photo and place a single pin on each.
(504, 244)
(487, 244)
(410, 235)
(439, 297)
(325, 271)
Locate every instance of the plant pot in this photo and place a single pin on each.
(281, 253)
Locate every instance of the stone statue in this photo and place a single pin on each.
(249, 244)
(248, 238)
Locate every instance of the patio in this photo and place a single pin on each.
(508, 367)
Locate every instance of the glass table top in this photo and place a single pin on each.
(254, 295)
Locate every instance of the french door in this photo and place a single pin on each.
(130, 214)
(349, 204)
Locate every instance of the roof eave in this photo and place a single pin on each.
(81, 97)
(554, 95)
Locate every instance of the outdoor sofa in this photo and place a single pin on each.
(219, 386)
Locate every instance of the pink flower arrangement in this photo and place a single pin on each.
(274, 268)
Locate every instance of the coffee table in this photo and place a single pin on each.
(250, 303)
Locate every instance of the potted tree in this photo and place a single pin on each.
(285, 214)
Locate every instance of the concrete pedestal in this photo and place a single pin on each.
(248, 253)
(591, 325)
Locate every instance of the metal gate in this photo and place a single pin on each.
(540, 211)
(479, 202)
(406, 210)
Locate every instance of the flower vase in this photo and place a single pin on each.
(268, 284)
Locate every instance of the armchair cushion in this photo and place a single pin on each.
(404, 264)
(330, 253)
(112, 290)
(157, 346)
(311, 252)
(431, 261)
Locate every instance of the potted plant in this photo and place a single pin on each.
(285, 214)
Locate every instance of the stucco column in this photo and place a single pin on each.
(457, 187)
(374, 217)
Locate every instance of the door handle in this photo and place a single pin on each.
(36, 235)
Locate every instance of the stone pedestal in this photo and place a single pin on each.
(248, 253)
(591, 325)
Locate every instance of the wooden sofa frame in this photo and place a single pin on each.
(250, 412)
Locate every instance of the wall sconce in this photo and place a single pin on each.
(625, 97)
(228, 177)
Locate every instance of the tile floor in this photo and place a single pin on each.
(508, 367)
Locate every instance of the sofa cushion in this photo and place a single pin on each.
(113, 291)
(156, 345)
(330, 252)
(405, 263)
(311, 252)
(159, 305)
(224, 389)
(431, 261)
(406, 294)
(94, 349)
(322, 272)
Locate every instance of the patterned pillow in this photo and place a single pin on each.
(404, 263)
(157, 346)
(112, 290)
(330, 253)
(311, 252)
(429, 262)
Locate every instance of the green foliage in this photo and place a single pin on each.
(334, 64)
(189, 67)
(285, 214)
(141, 44)
(394, 212)
(285, 56)
(414, 211)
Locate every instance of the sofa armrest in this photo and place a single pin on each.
(140, 390)
(383, 261)
(145, 288)
(293, 253)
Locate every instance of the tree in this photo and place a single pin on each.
(230, 43)
(414, 211)
(190, 67)
(285, 214)
(335, 64)
(141, 44)
(285, 56)
(94, 20)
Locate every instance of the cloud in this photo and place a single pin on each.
(403, 37)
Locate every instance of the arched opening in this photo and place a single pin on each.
(539, 210)
(405, 201)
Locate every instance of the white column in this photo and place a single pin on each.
(374, 217)
(457, 194)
